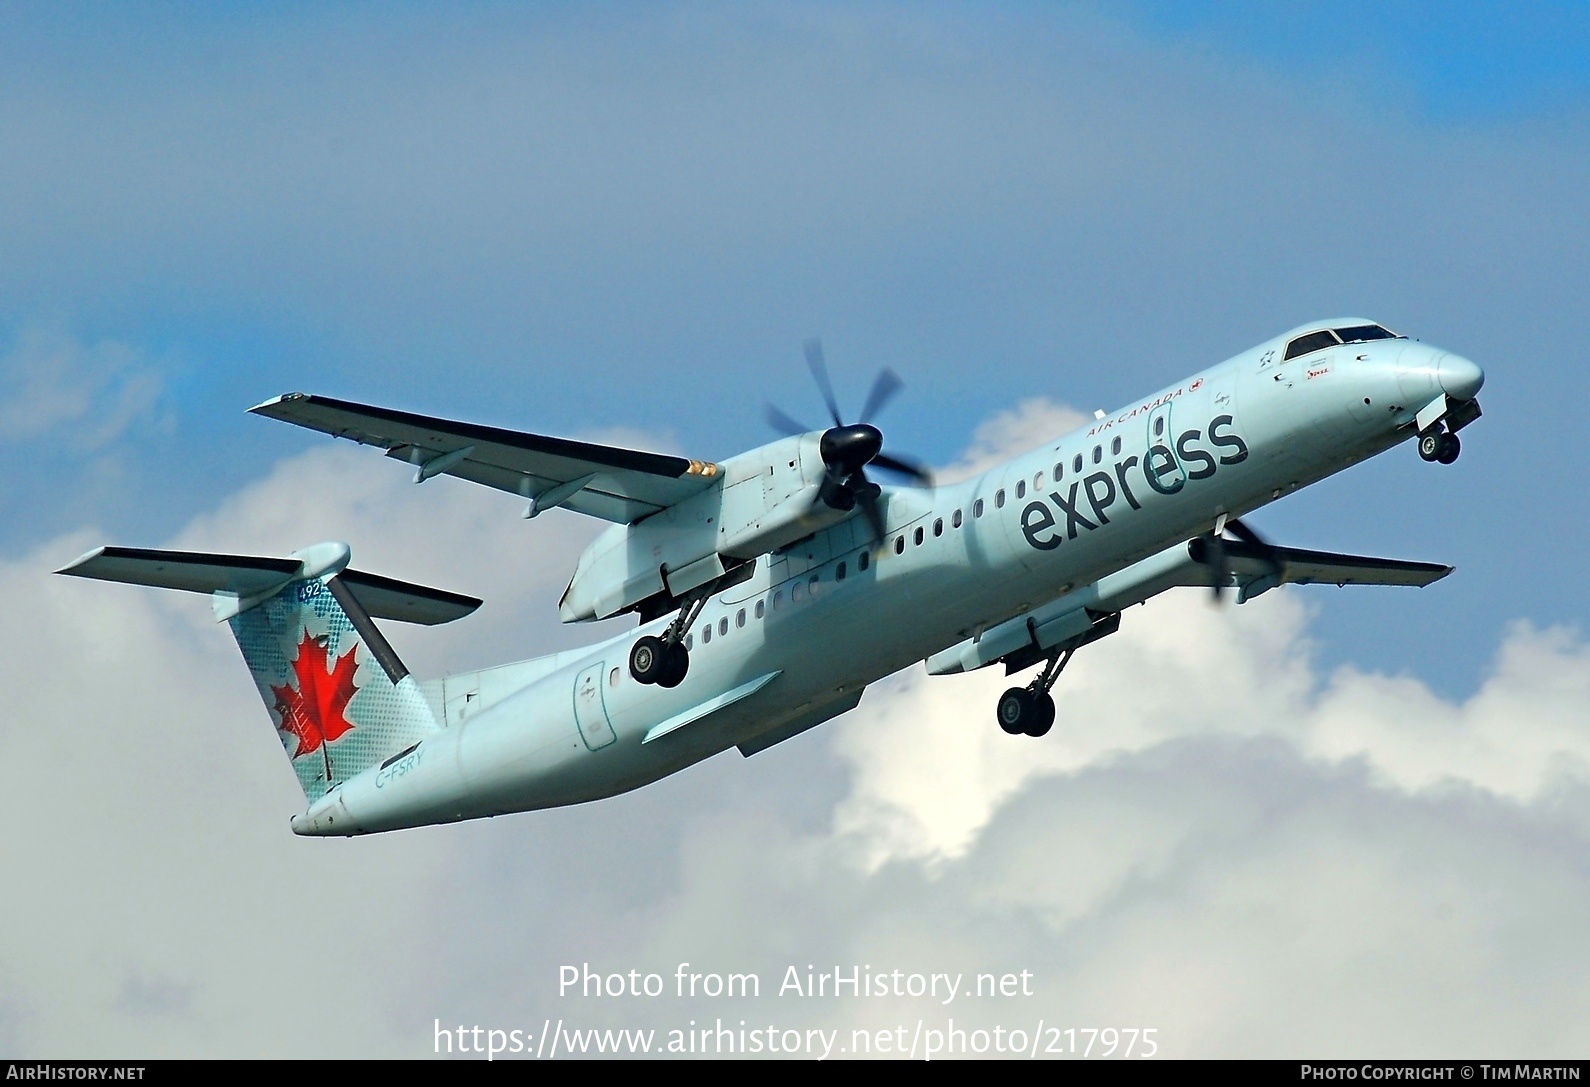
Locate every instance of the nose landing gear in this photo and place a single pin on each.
(665, 660)
(1439, 445)
(1030, 710)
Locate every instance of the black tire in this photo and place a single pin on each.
(1430, 444)
(648, 659)
(676, 664)
(1014, 710)
(1042, 716)
(1450, 448)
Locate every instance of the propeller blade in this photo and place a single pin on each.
(884, 387)
(1219, 567)
(783, 423)
(819, 369)
(868, 500)
(903, 467)
(1246, 534)
(1210, 550)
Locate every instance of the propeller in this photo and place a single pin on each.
(849, 449)
(1214, 551)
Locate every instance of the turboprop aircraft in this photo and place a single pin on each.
(773, 587)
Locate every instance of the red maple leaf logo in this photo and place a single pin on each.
(314, 712)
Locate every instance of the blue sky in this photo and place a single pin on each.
(579, 220)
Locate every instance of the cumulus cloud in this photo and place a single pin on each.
(80, 396)
(1217, 840)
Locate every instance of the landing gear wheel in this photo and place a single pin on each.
(648, 659)
(1042, 715)
(676, 662)
(1450, 448)
(1015, 709)
(1430, 445)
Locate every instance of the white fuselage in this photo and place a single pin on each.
(955, 561)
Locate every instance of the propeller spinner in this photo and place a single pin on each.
(848, 449)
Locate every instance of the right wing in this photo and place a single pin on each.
(619, 485)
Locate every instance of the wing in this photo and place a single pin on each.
(619, 485)
(1260, 568)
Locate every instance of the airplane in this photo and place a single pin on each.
(771, 589)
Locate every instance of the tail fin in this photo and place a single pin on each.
(340, 697)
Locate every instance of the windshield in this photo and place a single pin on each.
(1314, 341)
(1360, 333)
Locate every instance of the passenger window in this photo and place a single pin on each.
(861, 561)
(938, 527)
(612, 678)
(899, 545)
(1115, 447)
(723, 626)
(706, 634)
(739, 618)
(811, 586)
(1314, 341)
(1076, 463)
(1021, 488)
(955, 521)
(977, 508)
(1159, 426)
(918, 536)
(690, 642)
(1037, 482)
(778, 600)
(839, 572)
(999, 499)
(1098, 454)
(796, 592)
(1059, 470)
(760, 610)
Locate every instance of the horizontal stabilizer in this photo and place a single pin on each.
(191, 571)
(250, 576)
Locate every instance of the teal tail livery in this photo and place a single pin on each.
(340, 698)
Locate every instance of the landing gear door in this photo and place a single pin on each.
(1166, 474)
(590, 709)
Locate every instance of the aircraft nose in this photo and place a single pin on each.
(1460, 377)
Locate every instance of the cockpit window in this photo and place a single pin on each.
(1314, 341)
(1361, 333)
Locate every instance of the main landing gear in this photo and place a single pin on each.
(1030, 710)
(665, 660)
(1436, 444)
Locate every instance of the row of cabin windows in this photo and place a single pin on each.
(810, 586)
(798, 591)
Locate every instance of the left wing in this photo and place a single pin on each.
(619, 485)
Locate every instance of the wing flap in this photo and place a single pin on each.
(622, 485)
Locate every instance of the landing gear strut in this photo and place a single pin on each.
(1439, 445)
(665, 660)
(1030, 709)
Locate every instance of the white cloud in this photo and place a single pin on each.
(79, 395)
(1215, 840)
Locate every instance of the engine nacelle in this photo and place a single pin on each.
(763, 500)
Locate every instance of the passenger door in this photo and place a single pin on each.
(590, 709)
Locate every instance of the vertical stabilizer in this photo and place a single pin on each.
(340, 698)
